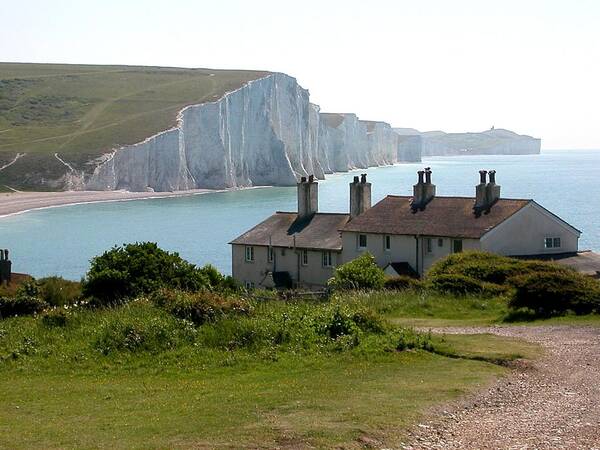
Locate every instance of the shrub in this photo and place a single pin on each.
(57, 291)
(401, 283)
(140, 268)
(360, 273)
(55, 317)
(455, 284)
(554, 293)
(25, 302)
(489, 267)
(139, 334)
(199, 307)
(20, 306)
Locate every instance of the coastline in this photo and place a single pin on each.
(13, 203)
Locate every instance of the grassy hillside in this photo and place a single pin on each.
(135, 376)
(81, 111)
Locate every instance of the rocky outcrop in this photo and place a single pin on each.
(264, 133)
(490, 142)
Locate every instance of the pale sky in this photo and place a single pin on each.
(532, 66)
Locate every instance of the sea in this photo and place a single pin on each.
(61, 241)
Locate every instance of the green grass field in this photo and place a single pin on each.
(82, 111)
(220, 386)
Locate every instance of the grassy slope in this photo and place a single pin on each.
(81, 111)
(60, 392)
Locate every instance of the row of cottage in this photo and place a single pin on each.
(406, 235)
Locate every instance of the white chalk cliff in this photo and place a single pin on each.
(264, 133)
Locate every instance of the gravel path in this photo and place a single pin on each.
(553, 402)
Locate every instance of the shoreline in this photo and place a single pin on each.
(15, 203)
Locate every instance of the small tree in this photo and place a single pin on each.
(360, 273)
(140, 268)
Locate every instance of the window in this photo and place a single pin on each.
(270, 253)
(457, 246)
(362, 241)
(249, 254)
(304, 257)
(552, 242)
(387, 243)
(327, 259)
(249, 285)
(429, 245)
(440, 242)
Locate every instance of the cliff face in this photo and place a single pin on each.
(265, 133)
(490, 142)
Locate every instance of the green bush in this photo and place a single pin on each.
(25, 302)
(140, 268)
(20, 306)
(360, 273)
(489, 267)
(555, 293)
(198, 307)
(138, 334)
(455, 284)
(57, 317)
(401, 283)
(57, 291)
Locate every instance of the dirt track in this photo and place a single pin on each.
(553, 402)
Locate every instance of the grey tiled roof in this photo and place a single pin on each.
(320, 231)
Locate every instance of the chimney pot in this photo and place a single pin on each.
(355, 179)
(482, 176)
(427, 175)
(363, 178)
(302, 179)
(492, 176)
(420, 174)
(311, 178)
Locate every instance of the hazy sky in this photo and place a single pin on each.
(529, 65)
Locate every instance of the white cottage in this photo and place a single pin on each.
(406, 235)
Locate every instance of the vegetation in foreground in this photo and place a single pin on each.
(142, 356)
(157, 372)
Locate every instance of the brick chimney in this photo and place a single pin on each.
(308, 197)
(360, 195)
(493, 190)
(423, 191)
(481, 192)
(5, 267)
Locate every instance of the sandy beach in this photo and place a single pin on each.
(19, 202)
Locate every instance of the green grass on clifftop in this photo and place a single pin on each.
(81, 111)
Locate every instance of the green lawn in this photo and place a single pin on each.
(235, 383)
(82, 111)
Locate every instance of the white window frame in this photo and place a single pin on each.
(304, 257)
(387, 243)
(270, 254)
(360, 247)
(249, 253)
(440, 242)
(327, 258)
(249, 284)
(552, 242)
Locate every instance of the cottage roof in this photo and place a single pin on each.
(285, 229)
(443, 216)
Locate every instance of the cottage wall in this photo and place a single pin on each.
(402, 249)
(312, 275)
(524, 234)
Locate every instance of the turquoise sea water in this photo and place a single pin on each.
(61, 241)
